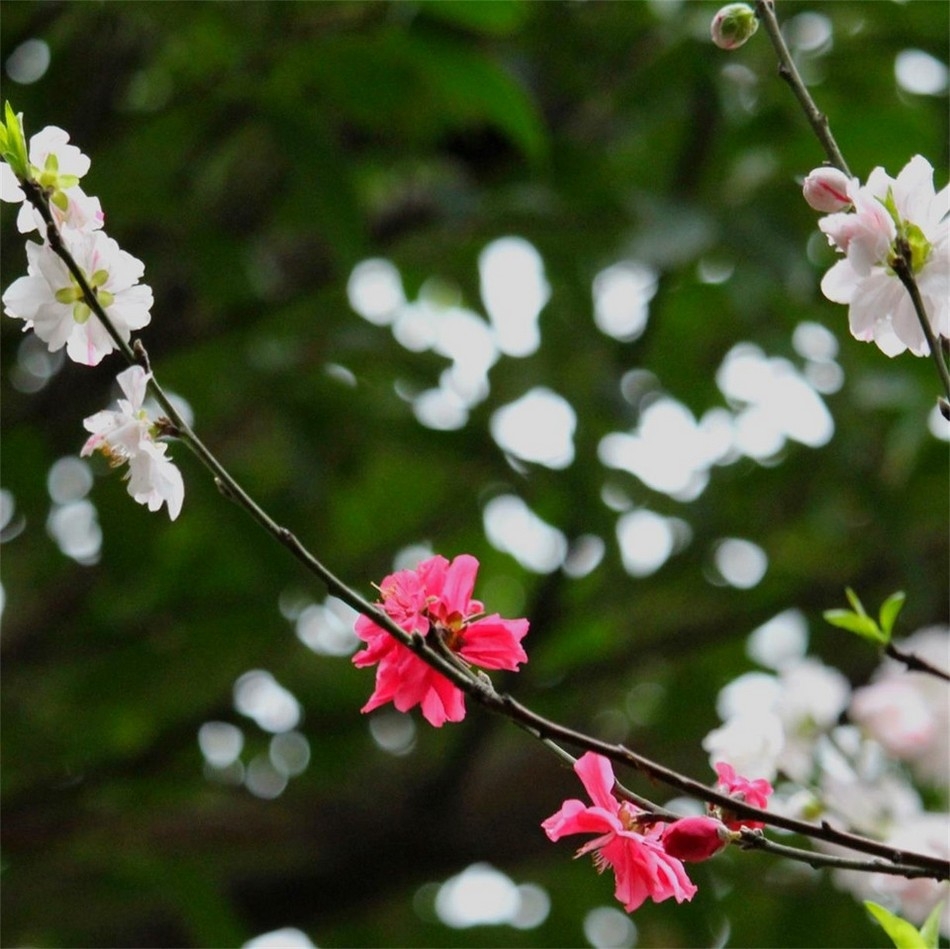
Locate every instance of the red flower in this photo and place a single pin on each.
(642, 867)
(742, 789)
(435, 598)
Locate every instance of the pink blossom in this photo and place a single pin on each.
(435, 598)
(642, 867)
(692, 839)
(909, 712)
(864, 234)
(756, 793)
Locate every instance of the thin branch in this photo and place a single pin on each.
(755, 840)
(915, 663)
(765, 11)
(475, 684)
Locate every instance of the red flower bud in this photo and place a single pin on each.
(692, 839)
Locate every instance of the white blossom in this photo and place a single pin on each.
(892, 217)
(127, 435)
(56, 167)
(50, 302)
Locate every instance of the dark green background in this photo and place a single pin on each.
(294, 140)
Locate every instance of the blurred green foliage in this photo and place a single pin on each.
(251, 154)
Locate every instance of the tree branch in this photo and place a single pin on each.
(478, 685)
(765, 10)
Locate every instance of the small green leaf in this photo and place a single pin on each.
(856, 604)
(930, 931)
(889, 610)
(902, 933)
(862, 625)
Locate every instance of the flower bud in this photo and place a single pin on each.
(826, 189)
(692, 839)
(733, 25)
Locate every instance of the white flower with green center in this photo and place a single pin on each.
(56, 167)
(50, 301)
(892, 217)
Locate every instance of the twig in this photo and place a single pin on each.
(765, 11)
(915, 663)
(755, 840)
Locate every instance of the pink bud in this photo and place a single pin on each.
(692, 839)
(826, 189)
(733, 25)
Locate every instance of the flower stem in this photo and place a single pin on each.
(765, 10)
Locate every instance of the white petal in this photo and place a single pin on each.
(10, 189)
(134, 383)
(25, 296)
(839, 284)
(89, 342)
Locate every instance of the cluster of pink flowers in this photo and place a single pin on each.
(50, 301)
(435, 599)
(646, 855)
(874, 226)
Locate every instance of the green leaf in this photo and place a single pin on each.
(889, 610)
(903, 934)
(930, 931)
(862, 625)
(856, 603)
(470, 88)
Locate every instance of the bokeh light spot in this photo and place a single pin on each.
(28, 62)
(609, 928)
(514, 290)
(513, 528)
(538, 427)
(259, 696)
(920, 73)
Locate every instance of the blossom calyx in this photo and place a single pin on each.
(826, 189)
(733, 25)
(12, 143)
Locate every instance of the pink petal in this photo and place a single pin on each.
(494, 643)
(597, 775)
(575, 817)
(459, 584)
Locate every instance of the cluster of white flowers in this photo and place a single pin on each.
(874, 226)
(50, 302)
(847, 769)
